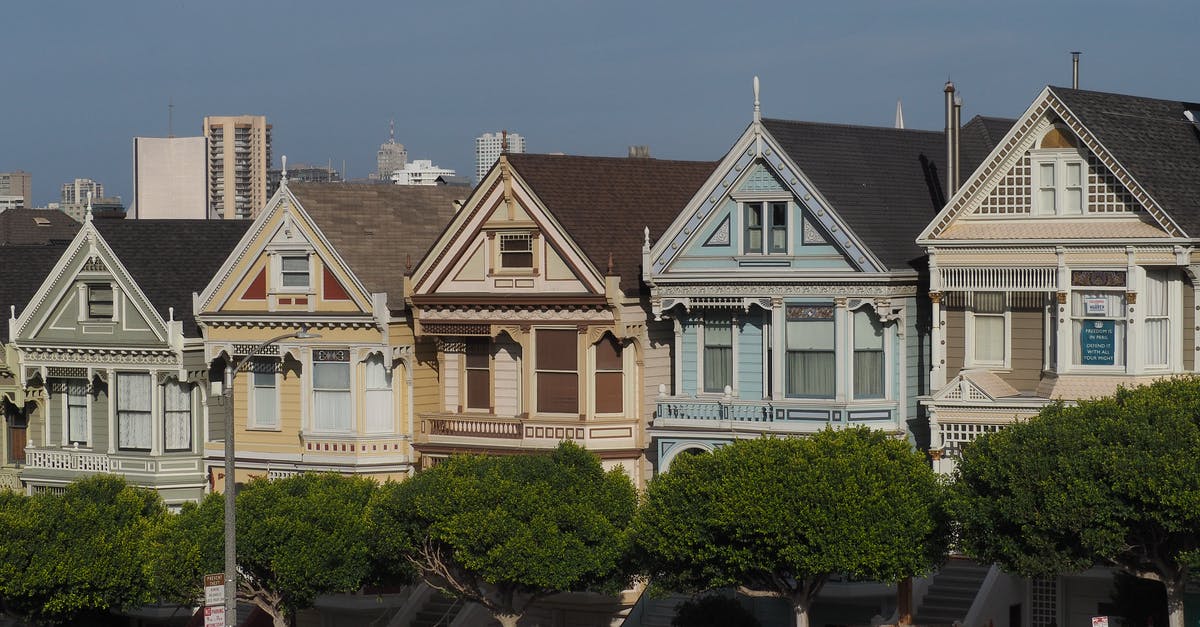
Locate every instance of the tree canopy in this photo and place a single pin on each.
(780, 516)
(1112, 481)
(505, 531)
(77, 556)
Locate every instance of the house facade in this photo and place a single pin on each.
(1066, 265)
(531, 304)
(110, 361)
(793, 289)
(328, 259)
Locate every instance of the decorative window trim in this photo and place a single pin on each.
(517, 243)
(969, 358)
(817, 313)
(332, 355)
(278, 272)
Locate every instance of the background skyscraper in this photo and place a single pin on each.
(391, 156)
(239, 154)
(77, 191)
(17, 184)
(488, 148)
(170, 178)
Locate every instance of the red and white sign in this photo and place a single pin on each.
(1099, 621)
(214, 616)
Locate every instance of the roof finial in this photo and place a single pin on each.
(408, 264)
(646, 238)
(757, 110)
(504, 142)
(899, 114)
(89, 206)
(283, 172)
(610, 263)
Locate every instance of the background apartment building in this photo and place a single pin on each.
(76, 192)
(488, 148)
(170, 178)
(239, 154)
(17, 184)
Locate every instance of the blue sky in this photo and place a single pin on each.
(83, 78)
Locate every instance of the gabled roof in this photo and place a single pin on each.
(20, 227)
(171, 259)
(604, 203)
(22, 270)
(886, 183)
(379, 229)
(1152, 140)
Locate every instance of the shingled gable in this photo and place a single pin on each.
(379, 229)
(605, 203)
(171, 259)
(885, 183)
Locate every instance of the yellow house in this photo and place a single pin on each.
(328, 258)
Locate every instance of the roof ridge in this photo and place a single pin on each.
(1057, 88)
(858, 126)
(523, 155)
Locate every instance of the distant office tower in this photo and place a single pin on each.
(303, 173)
(420, 172)
(488, 148)
(170, 177)
(77, 191)
(101, 208)
(391, 156)
(17, 184)
(239, 154)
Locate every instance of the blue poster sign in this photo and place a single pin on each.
(1098, 342)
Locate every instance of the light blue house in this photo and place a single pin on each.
(795, 286)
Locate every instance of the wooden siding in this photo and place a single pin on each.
(954, 336)
(749, 366)
(657, 362)
(1026, 352)
(1189, 326)
(507, 376)
(427, 392)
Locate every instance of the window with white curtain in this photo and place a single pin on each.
(1158, 324)
(134, 406)
(811, 363)
(1098, 327)
(177, 415)
(868, 355)
(264, 408)
(331, 390)
(718, 352)
(379, 395)
(78, 425)
(989, 330)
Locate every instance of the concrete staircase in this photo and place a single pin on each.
(439, 611)
(951, 593)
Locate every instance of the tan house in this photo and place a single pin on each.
(328, 258)
(533, 307)
(1066, 265)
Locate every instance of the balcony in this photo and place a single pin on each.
(66, 459)
(783, 416)
(486, 431)
(136, 465)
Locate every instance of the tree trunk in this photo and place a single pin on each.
(1175, 602)
(801, 610)
(507, 620)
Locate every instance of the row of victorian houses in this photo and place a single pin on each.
(934, 285)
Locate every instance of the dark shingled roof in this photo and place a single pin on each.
(1153, 140)
(19, 227)
(170, 259)
(605, 202)
(378, 229)
(886, 183)
(22, 270)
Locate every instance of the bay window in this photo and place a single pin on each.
(177, 415)
(379, 418)
(609, 376)
(1158, 323)
(868, 355)
(479, 373)
(78, 425)
(718, 352)
(332, 408)
(1098, 327)
(810, 366)
(557, 370)
(264, 402)
(989, 327)
(134, 405)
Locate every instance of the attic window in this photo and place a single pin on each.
(516, 250)
(293, 271)
(99, 301)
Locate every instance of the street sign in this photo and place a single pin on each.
(214, 616)
(214, 591)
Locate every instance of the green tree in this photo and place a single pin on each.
(76, 557)
(778, 517)
(1112, 481)
(297, 538)
(506, 531)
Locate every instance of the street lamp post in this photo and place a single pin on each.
(231, 372)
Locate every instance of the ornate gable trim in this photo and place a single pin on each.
(1009, 150)
(757, 145)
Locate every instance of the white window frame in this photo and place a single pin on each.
(701, 338)
(1119, 318)
(313, 390)
(1171, 286)
(389, 376)
(278, 272)
(1059, 158)
(191, 411)
(87, 413)
(87, 303)
(149, 378)
(513, 236)
(969, 358)
(839, 321)
(254, 422)
(886, 347)
(768, 225)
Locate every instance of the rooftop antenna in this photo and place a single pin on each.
(1075, 69)
(757, 109)
(899, 114)
(392, 131)
(170, 117)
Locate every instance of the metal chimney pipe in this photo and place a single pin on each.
(957, 130)
(951, 177)
(1075, 69)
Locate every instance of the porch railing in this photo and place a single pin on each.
(66, 459)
